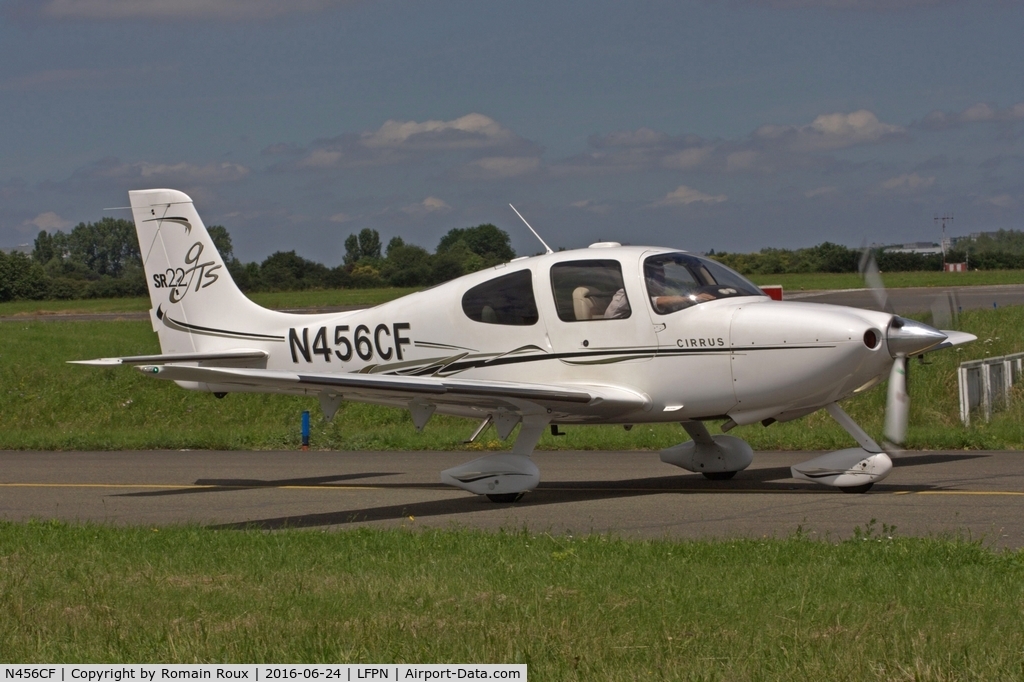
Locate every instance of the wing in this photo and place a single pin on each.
(461, 396)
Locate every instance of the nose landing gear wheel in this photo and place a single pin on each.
(505, 498)
(858, 488)
(718, 475)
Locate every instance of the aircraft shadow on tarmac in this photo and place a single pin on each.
(756, 481)
(235, 484)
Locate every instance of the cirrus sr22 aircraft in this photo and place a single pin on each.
(604, 335)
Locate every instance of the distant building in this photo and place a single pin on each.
(925, 248)
(21, 248)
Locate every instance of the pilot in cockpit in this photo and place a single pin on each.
(669, 294)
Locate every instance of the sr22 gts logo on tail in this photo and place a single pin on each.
(179, 280)
(384, 342)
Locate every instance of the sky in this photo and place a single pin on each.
(731, 125)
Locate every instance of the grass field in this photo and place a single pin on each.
(590, 608)
(48, 404)
(345, 297)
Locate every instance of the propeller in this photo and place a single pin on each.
(897, 404)
(904, 338)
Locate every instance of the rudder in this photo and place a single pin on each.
(196, 304)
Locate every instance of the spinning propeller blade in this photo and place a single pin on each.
(869, 271)
(904, 338)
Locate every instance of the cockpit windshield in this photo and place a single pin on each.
(680, 280)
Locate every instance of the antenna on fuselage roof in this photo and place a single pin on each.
(547, 249)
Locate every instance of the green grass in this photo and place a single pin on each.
(571, 608)
(815, 281)
(48, 404)
(86, 305)
(276, 300)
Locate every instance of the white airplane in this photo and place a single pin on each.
(604, 335)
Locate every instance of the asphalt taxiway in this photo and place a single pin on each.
(976, 495)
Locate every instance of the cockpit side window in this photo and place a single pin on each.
(680, 280)
(503, 300)
(589, 290)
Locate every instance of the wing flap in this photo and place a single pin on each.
(577, 399)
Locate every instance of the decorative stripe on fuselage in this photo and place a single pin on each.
(606, 355)
(210, 331)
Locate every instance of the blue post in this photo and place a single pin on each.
(305, 430)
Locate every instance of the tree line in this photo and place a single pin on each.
(1002, 250)
(102, 260)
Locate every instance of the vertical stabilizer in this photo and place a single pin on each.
(197, 307)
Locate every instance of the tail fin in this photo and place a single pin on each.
(197, 307)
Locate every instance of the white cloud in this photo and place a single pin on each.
(196, 178)
(47, 221)
(340, 218)
(472, 131)
(642, 137)
(402, 141)
(320, 158)
(976, 113)
(688, 159)
(1000, 201)
(820, 191)
(432, 204)
(187, 172)
(428, 205)
(591, 207)
(830, 131)
(683, 195)
(224, 10)
(908, 182)
(768, 149)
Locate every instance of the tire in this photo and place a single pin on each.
(855, 489)
(505, 498)
(719, 475)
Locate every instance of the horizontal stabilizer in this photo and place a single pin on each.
(222, 356)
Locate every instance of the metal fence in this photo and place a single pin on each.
(985, 385)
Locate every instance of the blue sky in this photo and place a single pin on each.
(727, 125)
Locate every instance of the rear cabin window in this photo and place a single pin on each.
(589, 290)
(503, 300)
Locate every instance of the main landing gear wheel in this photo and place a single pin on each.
(719, 475)
(505, 498)
(858, 488)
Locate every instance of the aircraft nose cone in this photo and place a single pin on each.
(908, 337)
